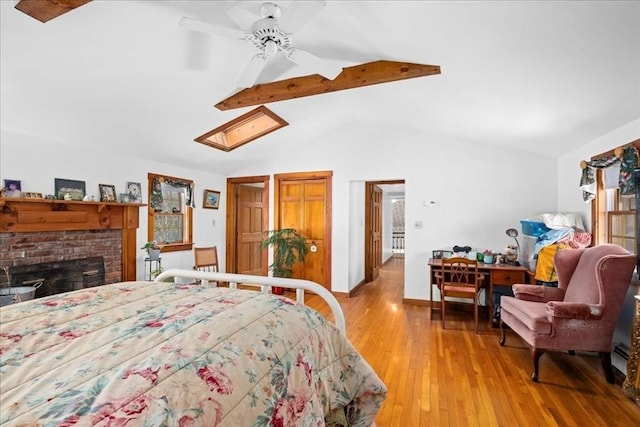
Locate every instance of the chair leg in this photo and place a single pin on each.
(536, 353)
(475, 303)
(442, 309)
(605, 359)
(503, 333)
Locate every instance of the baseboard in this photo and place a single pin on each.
(357, 288)
(419, 302)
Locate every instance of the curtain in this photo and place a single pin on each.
(156, 191)
(626, 182)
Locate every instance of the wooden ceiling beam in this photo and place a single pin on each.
(367, 74)
(46, 10)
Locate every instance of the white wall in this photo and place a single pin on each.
(357, 234)
(480, 191)
(36, 162)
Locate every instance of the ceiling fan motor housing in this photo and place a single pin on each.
(266, 35)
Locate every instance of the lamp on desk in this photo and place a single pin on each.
(512, 232)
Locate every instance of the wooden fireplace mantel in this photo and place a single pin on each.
(18, 215)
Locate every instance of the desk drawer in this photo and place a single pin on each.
(507, 277)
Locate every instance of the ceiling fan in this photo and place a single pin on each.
(270, 30)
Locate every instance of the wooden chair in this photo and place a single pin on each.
(206, 259)
(459, 278)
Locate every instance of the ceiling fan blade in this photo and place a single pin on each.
(252, 71)
(313, 64)
(215, 30)
(298, 13)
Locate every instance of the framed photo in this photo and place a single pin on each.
(107, 193)
(440, 254)
(211, 199)
(75, 189)
(134, 190)
(13, 188)
(33, 195)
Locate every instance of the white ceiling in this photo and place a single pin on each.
(538, 76)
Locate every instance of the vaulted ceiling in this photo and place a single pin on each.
(535, 76)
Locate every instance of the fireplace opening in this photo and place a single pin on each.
(60, 276)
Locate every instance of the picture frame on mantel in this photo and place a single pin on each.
(107, 193)
(76, 190)
(134, 190)
(211, 199)
(12, 188)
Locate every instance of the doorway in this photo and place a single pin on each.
(247, 219)
(382, 237)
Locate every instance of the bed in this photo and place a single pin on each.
(181, 351)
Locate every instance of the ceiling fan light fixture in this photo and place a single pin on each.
(270, 48)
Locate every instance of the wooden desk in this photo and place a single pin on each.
(495, 275)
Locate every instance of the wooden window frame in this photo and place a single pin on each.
(187, 243)
(601, 221)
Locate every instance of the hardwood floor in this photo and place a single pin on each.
(457, 378)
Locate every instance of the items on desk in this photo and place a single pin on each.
(461, 249)
(512, 253)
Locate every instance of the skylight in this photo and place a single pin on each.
(239, 131)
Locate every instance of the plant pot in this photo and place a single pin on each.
(277, 290)
(154, 253)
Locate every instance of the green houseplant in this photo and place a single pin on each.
(152, 248)
(289, 247)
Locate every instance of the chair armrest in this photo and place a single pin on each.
(570, 310)
(537, 293)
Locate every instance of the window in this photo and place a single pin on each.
(170, 219)
(613, 214)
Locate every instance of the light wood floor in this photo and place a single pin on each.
(457, 378)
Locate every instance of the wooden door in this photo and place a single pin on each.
(249, 229)
(373, 230)
(247, 218)
(303, 202)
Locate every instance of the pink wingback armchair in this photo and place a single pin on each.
(581, 313)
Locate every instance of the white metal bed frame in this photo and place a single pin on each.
(265, 284)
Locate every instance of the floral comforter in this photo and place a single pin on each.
(164, 354)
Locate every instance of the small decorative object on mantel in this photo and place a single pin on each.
(153, 249)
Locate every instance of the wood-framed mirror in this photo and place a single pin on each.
(170, 213)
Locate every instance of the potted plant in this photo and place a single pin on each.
(289, 247)
(153, 249)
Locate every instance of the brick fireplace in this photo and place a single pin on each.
(35, 231)
(21, 249)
